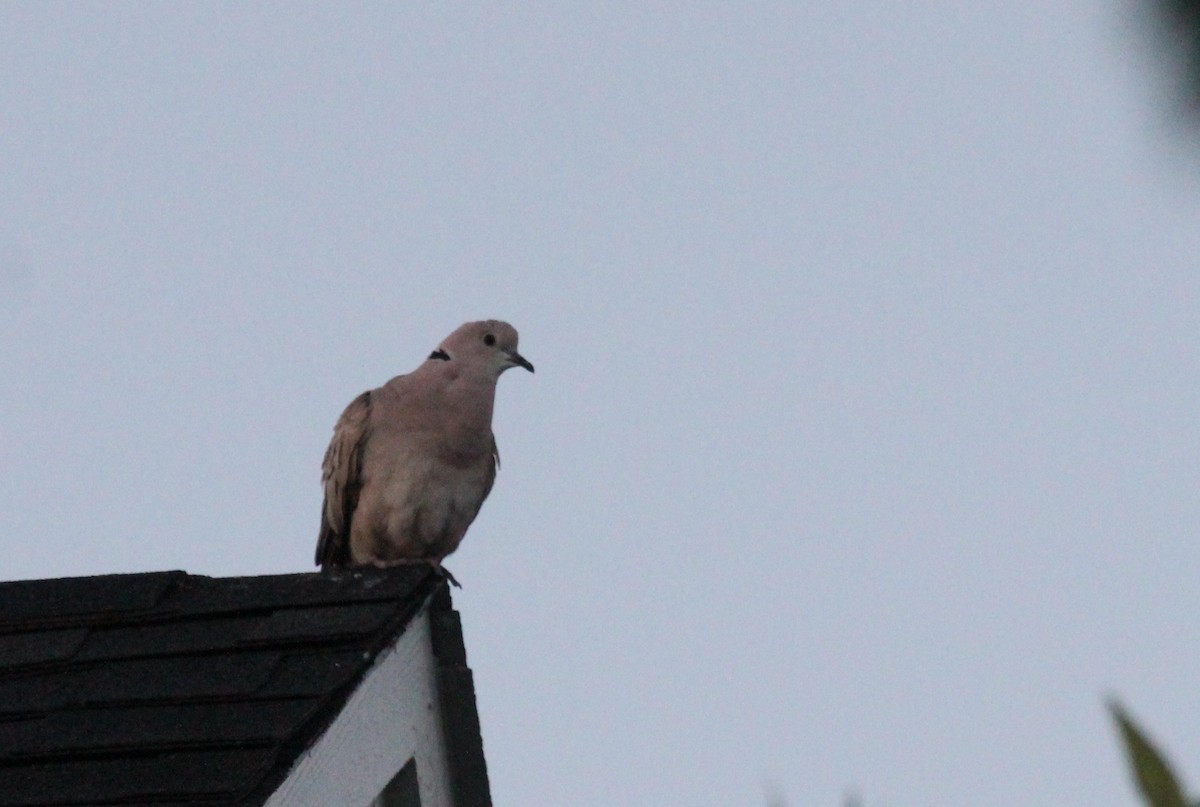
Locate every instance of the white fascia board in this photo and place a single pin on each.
(392, 716)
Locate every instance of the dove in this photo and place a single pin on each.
(411, 462)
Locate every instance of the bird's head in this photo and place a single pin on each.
(489, 344)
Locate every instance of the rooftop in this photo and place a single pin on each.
(170, 688)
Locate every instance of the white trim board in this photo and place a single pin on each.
(392, 716)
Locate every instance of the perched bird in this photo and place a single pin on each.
(411, 462)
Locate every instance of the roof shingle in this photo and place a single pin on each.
(169, 688)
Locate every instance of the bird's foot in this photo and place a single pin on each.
(437, 565)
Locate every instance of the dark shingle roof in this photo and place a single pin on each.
(169, 688)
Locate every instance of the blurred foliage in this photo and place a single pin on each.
(1180, 20)
(1153, 774)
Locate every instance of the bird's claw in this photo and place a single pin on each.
(446, 574)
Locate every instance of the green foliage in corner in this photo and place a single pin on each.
(1155, 779)
(1182, 26)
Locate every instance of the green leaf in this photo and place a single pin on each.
(1151, 770)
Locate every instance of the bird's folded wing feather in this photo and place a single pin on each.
(341, 476)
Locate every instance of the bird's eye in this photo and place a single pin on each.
(489, 339)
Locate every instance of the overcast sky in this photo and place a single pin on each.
(862, 456)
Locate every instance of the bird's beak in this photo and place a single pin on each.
(519, 361)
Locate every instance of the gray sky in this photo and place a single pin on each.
(862, 452)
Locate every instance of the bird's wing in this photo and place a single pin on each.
(341, 476)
